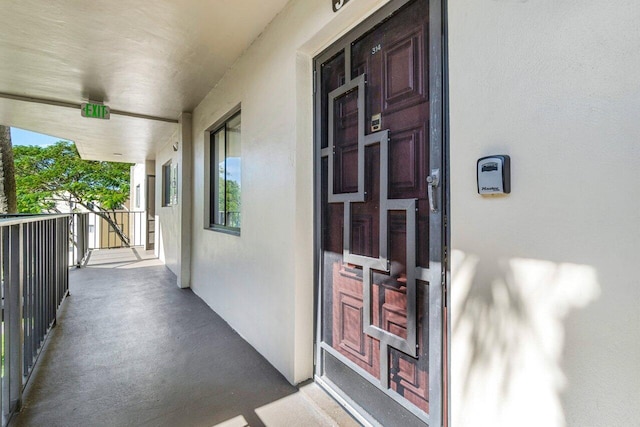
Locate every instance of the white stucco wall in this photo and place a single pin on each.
(262, 281)
(138, 177)
(167, 217)
(173, 222)
(546, 325)
(545, 317)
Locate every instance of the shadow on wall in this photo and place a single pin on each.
(508, 337)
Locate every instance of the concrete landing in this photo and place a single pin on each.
(132, 349)
(134, 257)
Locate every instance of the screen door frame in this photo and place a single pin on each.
(438, 252)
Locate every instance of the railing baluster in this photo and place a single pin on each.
(52, 270)
(14, 320)
(37, 281)
(40, 280)
(47, 288)
(31, 289)
(26, 306)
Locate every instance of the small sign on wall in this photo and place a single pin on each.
(337, 4)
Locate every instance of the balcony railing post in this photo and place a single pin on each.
(12, 386)
(85, 232)
(82, 237)
(26, 297)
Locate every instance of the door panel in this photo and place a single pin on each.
(346, 143)
(381, 242)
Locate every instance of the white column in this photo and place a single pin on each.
(185, 185)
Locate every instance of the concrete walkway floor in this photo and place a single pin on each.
(131, 349)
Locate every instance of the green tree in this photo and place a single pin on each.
(45, 175)
(230, 204)
(233, 203)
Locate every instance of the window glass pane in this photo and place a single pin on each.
(219, 143)
(166, 184)
(174, 185)
(225, 175)
(233, 172)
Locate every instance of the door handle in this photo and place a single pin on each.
(433, 182)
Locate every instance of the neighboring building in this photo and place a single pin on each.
(321, 196)
(132, 224)
(142, 201)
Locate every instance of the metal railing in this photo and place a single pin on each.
(36, 252)
(105, 230)
(34, 261)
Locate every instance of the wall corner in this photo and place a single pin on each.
(185, 148)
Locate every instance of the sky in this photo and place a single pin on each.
(25, 137)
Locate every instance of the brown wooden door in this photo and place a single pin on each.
(380, 239)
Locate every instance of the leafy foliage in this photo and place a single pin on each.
(56, 172)
(230, 205)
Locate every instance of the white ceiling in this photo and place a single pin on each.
(155, 58)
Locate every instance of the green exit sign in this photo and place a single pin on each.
(95, 111)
